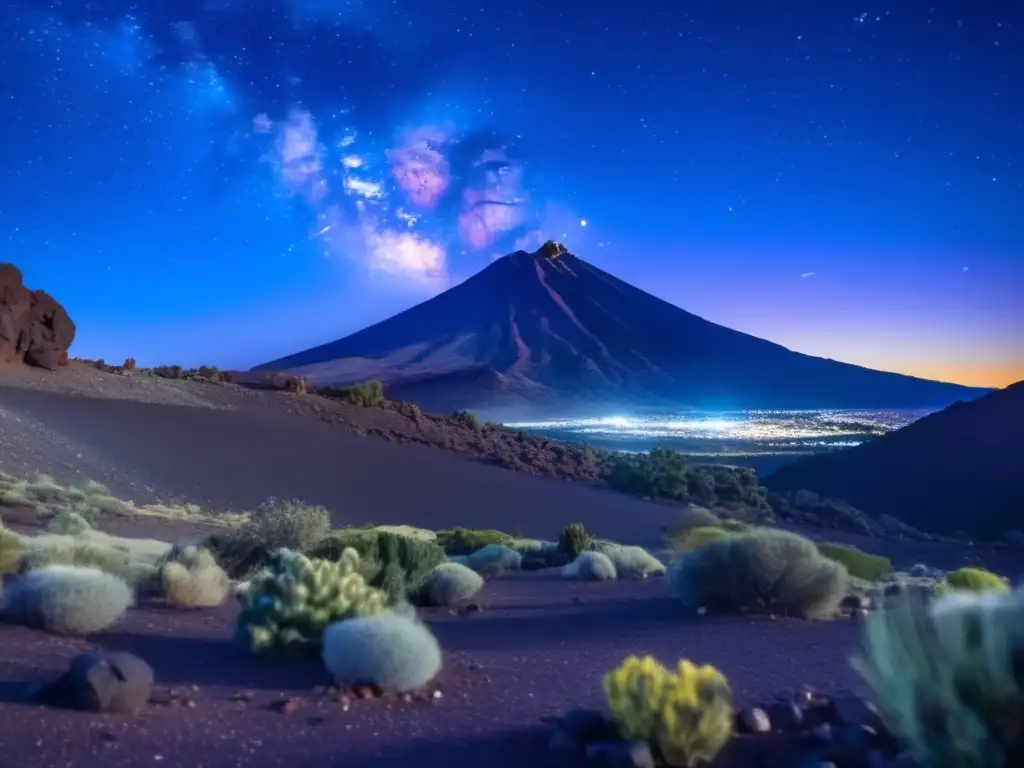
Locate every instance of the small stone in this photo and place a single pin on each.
(288, 706)
(407, 698)
(701, 610)
(785, 715)
(586, 725)
(436, 695)
(195, 688)
(753, 720)
(190, 703)
(821, 733)
(562, 742)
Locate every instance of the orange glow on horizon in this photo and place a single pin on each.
(972, 376)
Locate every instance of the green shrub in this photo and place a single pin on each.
(11, 551)
(287, 606)
(466, 541)
(574, 540)
(393, 652)
(764, 571)
(947, 678)
(591, 566)
(450, 584)
(971, 580)
(367, 395)
(69, 600)
(396, 565)
(860, 565)
(189, 577)
(288, 524)
(660, 474)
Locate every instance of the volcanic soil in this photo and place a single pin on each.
(536, 647)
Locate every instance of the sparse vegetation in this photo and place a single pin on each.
(858, 564)
(450, 584)
(764, 571)
(367, 395)
(395, 564)
(574, 540)
(190, 578)
(947, 678)
(466, 541)
(288, 523)
(631, 562)
(971, 580)
(686, 716)
(69, 600)
(388, 650)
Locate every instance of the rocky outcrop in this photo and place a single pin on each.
(34, 327)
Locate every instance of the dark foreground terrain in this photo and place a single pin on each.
(538, 645)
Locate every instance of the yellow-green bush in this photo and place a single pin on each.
(10, 554)
(971, 580)
(466, 541)
(948, 680)
(859, 564)
(685, 715)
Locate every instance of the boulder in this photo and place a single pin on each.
(103, 682)
(34, 327)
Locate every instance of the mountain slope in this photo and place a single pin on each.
(551, 328)
(958, 469)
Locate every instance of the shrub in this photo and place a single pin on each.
(69, 523)
(971, 580)
(190, 578)
(763, 571)
(466, 420)
(947, 678)
(88, 551)
(367, 395)
(591, 566)
(69, 600)
(10, 554)
(395, 564)
(238, 554)
(288, 604)
(658, 474)
(388, 650)
(686, 716)
(634, 562)
(574, 540)
(698, 537)
(465, 541)
(451, 583)
(495, 556)
(288, 524)
(860, 565)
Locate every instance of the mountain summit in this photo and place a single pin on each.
(548, 330)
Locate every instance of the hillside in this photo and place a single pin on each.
(955, 470)
(550, 330)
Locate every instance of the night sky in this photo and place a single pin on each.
(229, 181)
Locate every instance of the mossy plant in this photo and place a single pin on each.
(450, 584)
(971, 580)
(392, 651)
(574, 540)
(859, 564)
(591, 566)
(69, 600)
(692, 538)
(686, 715)
(287, 606)
(466, 541)
(947, 678)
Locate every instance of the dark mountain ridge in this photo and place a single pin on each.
(955, 470)
(550, 329)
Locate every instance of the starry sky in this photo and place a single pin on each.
(229, 181)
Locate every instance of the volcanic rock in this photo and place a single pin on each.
(34, 327)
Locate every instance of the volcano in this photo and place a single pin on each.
(546, 331)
